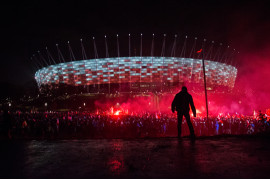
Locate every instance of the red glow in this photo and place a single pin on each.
(268, 114)
(222, 105)
(117, 113)
(199, 51)
(115, 165)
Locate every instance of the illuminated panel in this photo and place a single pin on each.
(136, 69)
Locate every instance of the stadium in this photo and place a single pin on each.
(135, 74)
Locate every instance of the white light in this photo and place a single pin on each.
(83, 104)
(46, 104)
(9, 104)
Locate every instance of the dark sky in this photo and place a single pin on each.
(28, 26)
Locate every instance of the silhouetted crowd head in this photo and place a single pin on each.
(66, 125)
(184, 89)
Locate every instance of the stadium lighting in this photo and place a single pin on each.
(150, 71)
(221, 74)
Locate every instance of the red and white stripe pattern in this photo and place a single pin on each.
(136, 69)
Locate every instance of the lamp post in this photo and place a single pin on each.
(205, 90)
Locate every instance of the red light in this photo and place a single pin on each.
(115, 166)
(117, 113)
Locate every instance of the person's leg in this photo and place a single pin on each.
(191, 130)
(179, 124)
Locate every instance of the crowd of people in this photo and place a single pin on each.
(66, 125)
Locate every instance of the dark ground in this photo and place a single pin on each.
(211, 157)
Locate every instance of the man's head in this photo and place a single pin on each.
(184, 89)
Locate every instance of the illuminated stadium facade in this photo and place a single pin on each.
(145, 71)
(136, 73)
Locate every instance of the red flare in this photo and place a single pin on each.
(199, 51)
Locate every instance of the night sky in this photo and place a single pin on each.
(29, 26)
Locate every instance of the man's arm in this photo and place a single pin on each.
(173, 104)
(192, 106)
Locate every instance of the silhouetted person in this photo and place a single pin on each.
(181, 103)
(7, 124)
(261, 116)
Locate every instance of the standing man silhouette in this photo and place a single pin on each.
(181, 103)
